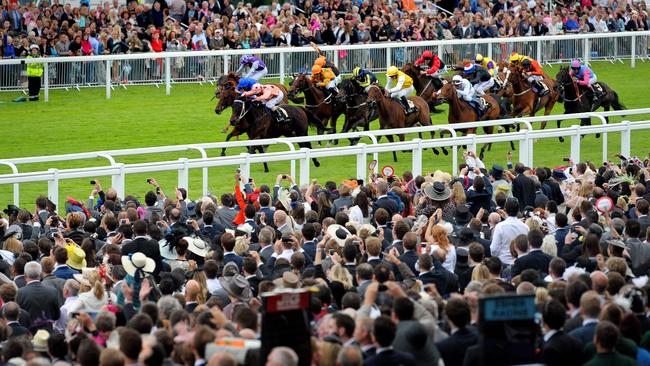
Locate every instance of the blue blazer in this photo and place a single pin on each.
(65, 272)
(233, 258)
(585, 333)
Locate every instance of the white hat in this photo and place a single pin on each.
(285, 200)
(137, 261)
(197, 246)
(339, 233)
(33, 46)
(39, 342)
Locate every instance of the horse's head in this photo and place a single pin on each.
(299, 84)
(563, 76)
(445, 93)
(375, 93)
(240, 108)
(226, 99)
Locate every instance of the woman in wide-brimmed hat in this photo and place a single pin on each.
(92, 295)
(436, 196)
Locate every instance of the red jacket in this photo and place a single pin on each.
(241, 216)
(535, 68)
(434, 63)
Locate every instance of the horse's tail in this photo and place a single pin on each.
(314, 121)
(616, 103)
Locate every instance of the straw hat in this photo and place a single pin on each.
(76, 258)
(339, 233)
(39, 342)
(197, 246)
(137, 261)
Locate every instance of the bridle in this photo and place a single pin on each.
(244, 110)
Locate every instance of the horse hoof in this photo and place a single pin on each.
(223, 153)
(316, 163)
(328, 145)
(435, 151)
(444, 151)
(597, 135)
(561, 139)
(336, 142)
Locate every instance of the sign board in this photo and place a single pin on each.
(387, 171)
(372, 165)
(507, 308)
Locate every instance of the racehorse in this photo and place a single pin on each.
(579, 101)
(226, 94)
(501, 77)
(324, 108)
(258, 123)
(425, 86)
(391, 113)
(357, 109)
(460, 111)
(524, 97)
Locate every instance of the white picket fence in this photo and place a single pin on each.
(167, 68)
(524, 138)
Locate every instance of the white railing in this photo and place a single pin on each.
(167, 68)
(524, 137)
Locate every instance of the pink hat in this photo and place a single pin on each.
(141, 212)
(575, 64)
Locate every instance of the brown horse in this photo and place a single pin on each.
(391, 113)
(460, 111)
(425, 86)
(324, 108)
(524, 99)
(501, 77)
(227, 95)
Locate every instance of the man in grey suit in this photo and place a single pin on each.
(39, 300)
(265, 238)
(642, 217)
(364, 277)
(343, 202)
(51, 280)
(227, 213)
(282, 223)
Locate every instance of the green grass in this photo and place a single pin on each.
(142, 116)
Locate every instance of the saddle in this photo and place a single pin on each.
(408, 105)
(540, 88)
(280, 114)
(480, 106)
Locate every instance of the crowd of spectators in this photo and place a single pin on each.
(395, 266)
(177, 25)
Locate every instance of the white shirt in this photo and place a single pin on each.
(450, 257)
(63, 319)
(549, 334)
(505, 232)
(286, 254)
(213, 285)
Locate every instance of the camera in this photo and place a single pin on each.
(92, 182)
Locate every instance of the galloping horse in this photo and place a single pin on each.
(460, 111)
(258, 123)
(501, 77)
(227, 95)
(579, 101)
(357, 109)
(391, 113)
(325, 108)
(425, 86)
(524, 97)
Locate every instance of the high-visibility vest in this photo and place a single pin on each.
(34, 69)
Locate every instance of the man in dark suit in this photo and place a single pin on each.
(573, 294)
(61, 269)
(523, 188)
(642, 207)
(39, 300)
(589, 309)
(309, 245)
(383, 201)
(266, 211)
(10, 313)
(535, 258)
(559, 348)
(228, 244)
(462, 336)
(363, 337)
(410, 256)
(411, 336)
(364, 278)
(383, 335)
(265, 237)
(145, 245)
(249, 266)
(432, 272)
(384, 225)
(211, 229)
(400, 229)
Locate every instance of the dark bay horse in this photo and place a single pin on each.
(258, 123)
(324, 108)
(460, 111)
(391, 113)
(524, 97)
(425, 86)
(226, 94)
(578, 99)
(358, 111)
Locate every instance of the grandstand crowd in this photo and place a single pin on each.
(396, 268)
(178, 25)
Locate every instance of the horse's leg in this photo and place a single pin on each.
(512, 144)
(308, 145)
(391, 140)
(488, 130)
(223, 151)
(262, 149)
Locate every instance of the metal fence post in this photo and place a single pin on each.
(633, 52)
(245, 167)
(523, 149)
(53, 186)
(625, 139)
(388, 58)
(417, 158)
(46, 82)
(184, 174)
(362, 162)
(282, 66)
(540, 59)
(575, 144)
(226, 60)
(108, 79)
(489, 52)
(585, 50)
(472, 147)
(304, 167)
(117, 180)
(168, 76)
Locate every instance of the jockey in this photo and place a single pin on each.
(516, 59)
(467, 93)
(584, 75)
(323, 62)
(268, 94)
(437, 68)
(364, 78)
(257, 67)
(481, 79)
(324, 78)
(487, 63)
(399, 85)
(535, 75)
(245, 84)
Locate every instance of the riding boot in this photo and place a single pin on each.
(404, 102)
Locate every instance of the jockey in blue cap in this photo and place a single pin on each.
(257, 67)
(245, 84)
